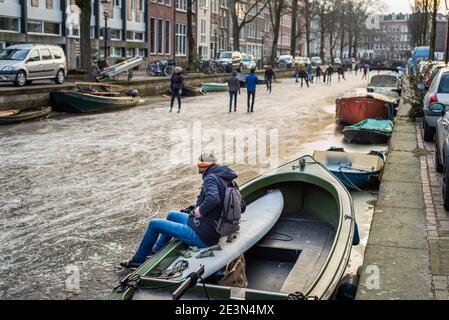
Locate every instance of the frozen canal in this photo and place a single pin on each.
(76, 192)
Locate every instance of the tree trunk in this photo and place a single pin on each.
(322, 32)
(331, 46)
(235, 25)
(308, 25)
(278, 7)
(426, 21)
(293, 27)
(342, 37)
(191, 45)
(433, 34)
(85, 43)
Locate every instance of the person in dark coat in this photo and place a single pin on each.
(196, 228)
(234, 88)
(176, 85)
(318, 73)
(251, 84)
(329, 73)
(269, 76)
(341, 73)
(304, 76)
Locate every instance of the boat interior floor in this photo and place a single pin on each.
(290, 257)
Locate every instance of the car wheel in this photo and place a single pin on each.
(59, 77)
(438, 165)
(429, 132)
(21, 79)
(445, 188)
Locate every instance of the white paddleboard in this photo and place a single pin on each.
(258, 219)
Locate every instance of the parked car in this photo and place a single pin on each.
(231, 60)
(442, 147)
(285, 61)
(337, 61)
(21, 64)
(438, 92)
(316, 61)
(249, 62)
(388, 84)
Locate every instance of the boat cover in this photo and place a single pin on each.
(258, 219)
(374, 125)
(372, 95)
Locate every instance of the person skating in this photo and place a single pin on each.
(304, 77)
(270, 75)
(341, 73)
(365, 71)
(329, 72)
(234, 89)
(176, 85)
(310, 73)
(196, 228)
(318, 74)
(251, 83)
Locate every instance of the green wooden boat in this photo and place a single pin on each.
(16, 116)
(215, 87)
(307, 250)
(91, 98)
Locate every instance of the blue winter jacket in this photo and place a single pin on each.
(251, 82)
(210, 203)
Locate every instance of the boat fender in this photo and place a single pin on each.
(347, 290)
(356, 239)
(133, 93)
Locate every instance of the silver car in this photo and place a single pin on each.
(21, 64)
(438, 92)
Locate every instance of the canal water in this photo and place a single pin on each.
(76, 192)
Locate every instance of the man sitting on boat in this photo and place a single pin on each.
(197, 228)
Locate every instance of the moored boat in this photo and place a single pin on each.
(303, 248)
(356, 107)
(370, 131)
(89, 97)
(356, 171)
(190, 91)
(215, 87)
(16, 116)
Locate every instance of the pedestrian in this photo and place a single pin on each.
(297, 69)
(318, 73)
(365, 71)
(356, 68)
(176, 85)
(329, 72)
(310, 72)
(341, 73)
(304, 77)
(195, 227)
(251, 83)
(234, 88)
(269, 76)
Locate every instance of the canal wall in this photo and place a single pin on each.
(39, 95)
(397, 259)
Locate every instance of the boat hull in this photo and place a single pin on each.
(76, 102)
(354, 110)
(215, 87)
(364, 136)
(26, 116)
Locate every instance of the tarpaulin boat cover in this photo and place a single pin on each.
(374, 125)
(372, 95)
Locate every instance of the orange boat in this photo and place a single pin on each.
(356, 107)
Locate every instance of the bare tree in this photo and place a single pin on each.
(277, 8)
(190, 35)
(242, 13)
(86, 46)
(433, 34)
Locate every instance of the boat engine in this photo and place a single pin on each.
(133, 93)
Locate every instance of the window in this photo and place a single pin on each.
(116, 34)
(9, 24)
(168, 2)
(203, 4)
(160, 36)
(46, 55)
(181, 5)
(152, 35)
(57, 53)
(161, 1)
(116, 52)
(117, 3)
(34, 26)
(129, 52)
(35, 3)
(34, 56)
(142, 52)
(181, 35)
(203, 31)
(138, 36)
(167, 37)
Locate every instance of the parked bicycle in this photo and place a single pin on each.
(161, 67)
(211, 67)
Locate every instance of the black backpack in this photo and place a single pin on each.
(228, 222)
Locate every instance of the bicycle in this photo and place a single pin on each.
(161, 67)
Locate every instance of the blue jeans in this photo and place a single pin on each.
(232, 96)
(269, 85)
(175, 226)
